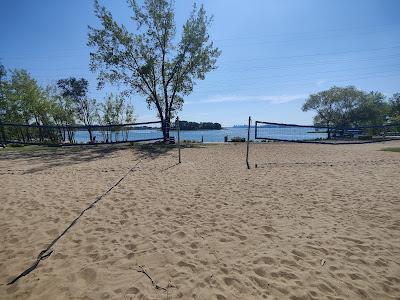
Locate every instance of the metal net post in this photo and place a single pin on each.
(248, 144)
(179, 139)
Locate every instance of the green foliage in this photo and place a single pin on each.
(238, 139)
(348, 106)
(26, 102)
(115, 111)
(185, 125)
(75, 90)
(18, 148)
(371, 109)
(3, 100)
(148, 61)
(23, 101)
(392, 149)
(365, 137)
(394, 108)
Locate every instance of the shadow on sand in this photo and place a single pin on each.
(50, 157)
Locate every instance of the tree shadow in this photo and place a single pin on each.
(155, 150)
(61, 156)
(51, 157)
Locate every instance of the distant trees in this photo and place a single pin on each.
(150, 61)
(185, 125)
(115, 110)
(349, 106)
(3, 104)
(394, 108)
(75, 90)
(63, 113)
(24, 101)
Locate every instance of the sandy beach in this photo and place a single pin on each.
(310, 222)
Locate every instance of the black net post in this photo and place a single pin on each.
(248, 144)
(3, 135)
(179, 139)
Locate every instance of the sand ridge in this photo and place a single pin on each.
(311, 222)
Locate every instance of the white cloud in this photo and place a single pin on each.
(277, 99)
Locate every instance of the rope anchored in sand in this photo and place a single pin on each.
(153, 283)
(47, 252)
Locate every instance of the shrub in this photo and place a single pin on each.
(238, 139)
(365, 137)
(190, 141)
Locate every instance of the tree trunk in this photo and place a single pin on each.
(165, 129)
(329, 131)
(21, 132)
(90, 134)
(28, 136)
(70, 136)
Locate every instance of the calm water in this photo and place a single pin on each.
(291, 133)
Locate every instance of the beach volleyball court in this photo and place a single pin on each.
(313, 222)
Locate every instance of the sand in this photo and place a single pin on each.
(311, 222)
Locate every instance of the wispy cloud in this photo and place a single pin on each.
(274, 99)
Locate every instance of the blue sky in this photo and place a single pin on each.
(274, 53)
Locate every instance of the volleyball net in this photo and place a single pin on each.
(79, 134)
(324, 134)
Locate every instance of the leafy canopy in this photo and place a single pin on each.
(150, 61)
(347, 106)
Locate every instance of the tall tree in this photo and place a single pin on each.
(62, 112)
(85, 108)
(348, 106)
(149, 62)
(24, 103)
(325, 105)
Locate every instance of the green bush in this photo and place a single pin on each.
(365, 137)
(238, 139)
(16, 145)
(392, 149)
(190, 142)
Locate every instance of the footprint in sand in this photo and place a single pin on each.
(229, 281)
(260, 271)
(89, 275)
(264, 260)
(284, 274)
(180, 235)
(268, 228)
(60, 256)
(186, 265)
(52, 232)
(194, 245)
(130, 247)
(262, 283)
(132, 290)
(298, 253)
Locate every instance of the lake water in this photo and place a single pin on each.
(287, 133)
